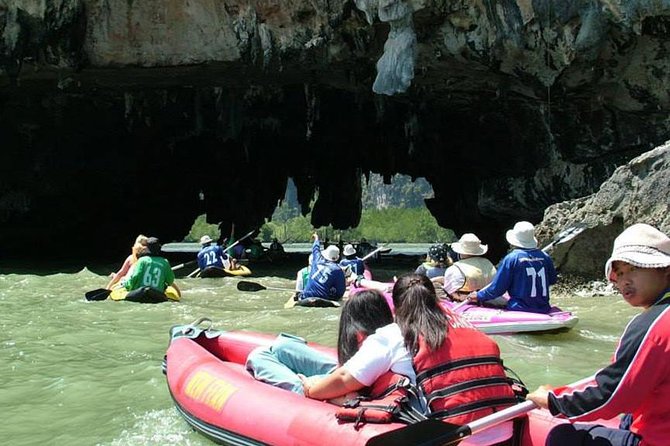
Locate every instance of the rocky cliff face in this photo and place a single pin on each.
(636, 193)
(119, 116)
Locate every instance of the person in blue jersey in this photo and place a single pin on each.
(525, 273)
(636, 381)
(326, 278)
(213, 256)
(352, 261)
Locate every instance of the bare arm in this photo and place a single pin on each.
(337, 384)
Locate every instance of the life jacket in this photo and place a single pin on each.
(464, 379)
(385, 401)
(478, 273)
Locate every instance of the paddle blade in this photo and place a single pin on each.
(423, 433)
(565, 235)
(244, 285)
(569, 233)
(99, 294)
(290, 303)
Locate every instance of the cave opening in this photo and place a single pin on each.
(93, 163)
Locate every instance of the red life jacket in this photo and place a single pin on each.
(464, 379)
(383, 402)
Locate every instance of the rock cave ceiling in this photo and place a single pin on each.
(118, 117)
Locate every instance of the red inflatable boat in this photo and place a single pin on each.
(219, 398)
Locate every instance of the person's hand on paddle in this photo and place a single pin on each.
(459, 296)
(540, 396)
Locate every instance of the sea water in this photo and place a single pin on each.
(89, 373)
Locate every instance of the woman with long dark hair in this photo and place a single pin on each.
(290, 358)
(456, 368)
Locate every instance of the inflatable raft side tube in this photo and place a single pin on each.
(215, 433)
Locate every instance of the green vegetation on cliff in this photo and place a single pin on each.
(381, 225)
(391, 213)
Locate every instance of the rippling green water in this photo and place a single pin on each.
(89, 373)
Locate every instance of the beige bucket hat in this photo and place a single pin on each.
(469, 244)
(640, 245)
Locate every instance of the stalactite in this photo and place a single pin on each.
(312, 111)
(395, 68)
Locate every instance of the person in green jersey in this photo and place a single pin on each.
(151, 270)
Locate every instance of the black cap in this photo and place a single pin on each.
(154, 245)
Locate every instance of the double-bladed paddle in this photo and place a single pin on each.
(99, 294)
(567, 234)
(370, 254)
(244, 285)
(103, 293)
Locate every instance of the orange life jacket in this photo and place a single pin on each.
(464, 379)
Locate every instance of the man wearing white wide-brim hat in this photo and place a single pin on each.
(326, 278)
(471, 272)
(525, 273)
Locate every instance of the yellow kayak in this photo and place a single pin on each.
(145, 295)
(241, 271)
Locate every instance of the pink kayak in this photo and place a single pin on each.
(496, 320)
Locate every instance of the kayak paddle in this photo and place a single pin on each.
(99, 294)
(567, 234)
(367, 256)
(434, 432)
(182, 265)
(244, 285)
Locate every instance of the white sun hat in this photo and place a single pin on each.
(469, 244)
(205, 239)
(349, 250)
(522, 235)
(331, 253)
(640, 245)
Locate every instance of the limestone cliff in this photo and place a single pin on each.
(636, 193)
(120, 116)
